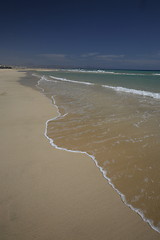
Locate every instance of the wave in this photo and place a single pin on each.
(118, 88)
(134, 91)
(103, 71)
(69, 80)
(84, 71)
(156, 74)
(111, 72)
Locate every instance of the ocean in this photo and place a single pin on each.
(114, 117)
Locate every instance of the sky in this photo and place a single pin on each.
(109, 34)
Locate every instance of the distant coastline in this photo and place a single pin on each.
(5, 67)
(60, 67)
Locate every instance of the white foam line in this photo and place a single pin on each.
(110, 72)
(102, 71)
(104, 173)
(68, 80)
(134, 91)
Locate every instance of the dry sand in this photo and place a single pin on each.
(49, 194)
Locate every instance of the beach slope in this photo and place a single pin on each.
(50, 194)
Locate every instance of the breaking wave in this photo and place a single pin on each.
(118, 88)
(110, 72)
(134, 91)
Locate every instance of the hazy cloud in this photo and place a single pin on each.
(92, 54)
(95, 59)
(53, 56)
(97, 55)
(110, 57)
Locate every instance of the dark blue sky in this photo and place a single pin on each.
(101, 34)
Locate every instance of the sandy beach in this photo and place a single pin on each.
(50, 194)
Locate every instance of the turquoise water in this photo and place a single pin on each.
(139, 80)
(114, 116)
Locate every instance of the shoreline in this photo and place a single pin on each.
(104, 173)
(70, 199)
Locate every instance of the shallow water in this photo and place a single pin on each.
(120, 128)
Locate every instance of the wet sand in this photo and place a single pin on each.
(48, 193)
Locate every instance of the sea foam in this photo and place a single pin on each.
(134, 91)
(72, 81)
(103, 71)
